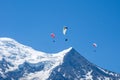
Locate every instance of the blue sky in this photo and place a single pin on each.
(31, 22)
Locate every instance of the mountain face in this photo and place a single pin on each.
(20, 62)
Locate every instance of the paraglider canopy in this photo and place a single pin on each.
(65, 28)
(52, 35)
(94, 45)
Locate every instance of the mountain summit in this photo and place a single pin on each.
(20, 62)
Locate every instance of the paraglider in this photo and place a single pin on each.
(95, 46)
(52, 36)
(65, 28)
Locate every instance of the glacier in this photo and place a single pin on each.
(20, 62)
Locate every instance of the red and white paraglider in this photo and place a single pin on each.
(94, 45)
(52, 36)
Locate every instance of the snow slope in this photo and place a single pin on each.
(16, 54)
(20, 62)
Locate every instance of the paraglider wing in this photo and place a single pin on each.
(52, 35)
(65, 30)
(94, 44)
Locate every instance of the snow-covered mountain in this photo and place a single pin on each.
(20, 62)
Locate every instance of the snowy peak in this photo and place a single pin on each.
(16, 56)
(64, 52)
(36, 65)
(8, 42)
(11, 48)
(76, 67)
(6, 39)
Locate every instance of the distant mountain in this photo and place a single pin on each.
(20, 62)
